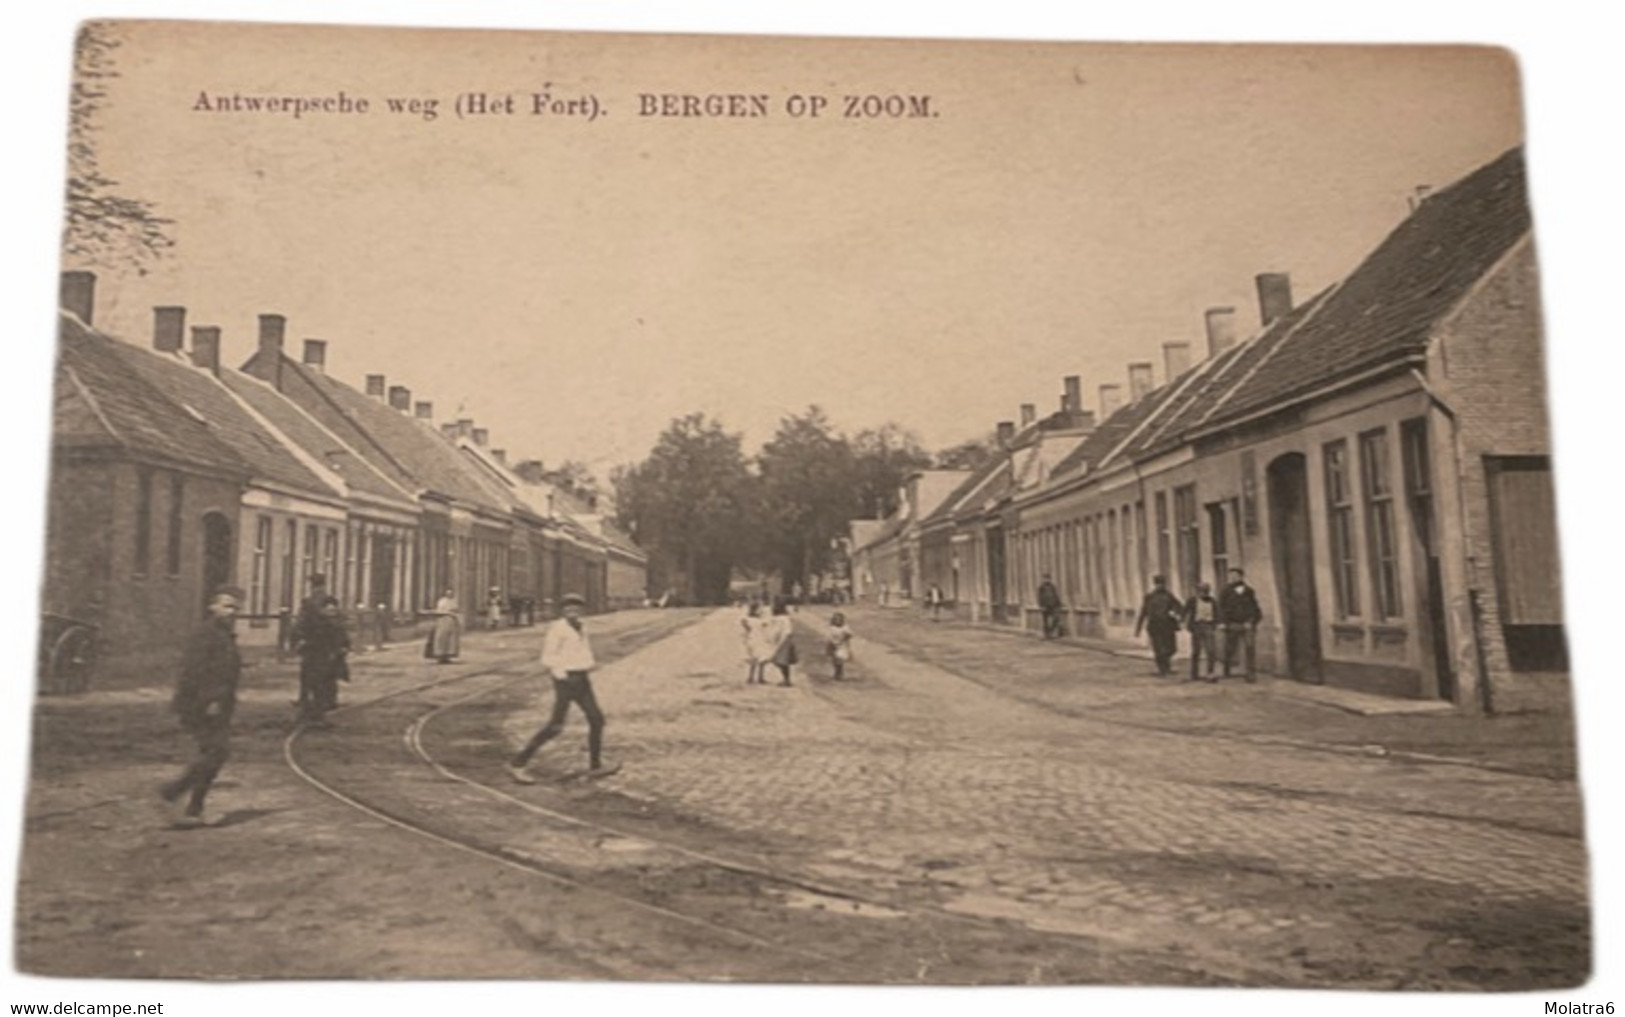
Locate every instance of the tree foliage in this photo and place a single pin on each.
(808, 476)
(103, 227)
(884, 458)
(690, 504)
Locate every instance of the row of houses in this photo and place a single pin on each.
(173, 473)
(1375, 458)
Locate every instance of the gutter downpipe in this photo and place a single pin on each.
(1486, 697)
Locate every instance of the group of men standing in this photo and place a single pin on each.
(1234, 613)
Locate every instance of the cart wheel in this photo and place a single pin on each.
(73, 657)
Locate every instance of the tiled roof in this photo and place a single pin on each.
(202, 396)
(135, 414)
(1111, 433)
(316, 441)
(1388, 307)
(407, 450)
(1213, 379)
(950, 505)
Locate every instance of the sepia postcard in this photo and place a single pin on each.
(644, 508)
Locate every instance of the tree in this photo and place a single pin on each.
(883, 459)
(692, 505)
(807, 474)
(102, 227)
(968, 455)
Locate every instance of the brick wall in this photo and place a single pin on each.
(1491, 361)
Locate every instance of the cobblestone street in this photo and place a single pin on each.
(1260, 860)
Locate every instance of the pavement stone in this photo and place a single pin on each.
(919, 776)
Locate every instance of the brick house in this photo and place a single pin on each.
(1375, 458)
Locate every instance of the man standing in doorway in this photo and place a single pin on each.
(567, 658)
(1239, 614)
(204, 699)
(1049, 604)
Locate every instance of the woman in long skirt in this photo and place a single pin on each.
(446, 640)
(781, 637)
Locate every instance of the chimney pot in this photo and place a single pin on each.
(168, 329)
(1111, 400)
(1006, 433)
(1221, 329)
(1072, 401)
(1274, 296)
(272, 329)
(423, 410)
(315, 356)
(1029, 413)
(449, 430)
(481, 436)
(206, 348)
(1176, 358)
(77, 294)
(1140, 380)
(375, 386)
(465, 427)
(400, 398)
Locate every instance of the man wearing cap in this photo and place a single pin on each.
(317, 634)
(204, 699)
(567, 658)
(1159, 617)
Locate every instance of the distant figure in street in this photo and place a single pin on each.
(323, 644)
(493, 608)
(1201, 617)
(757, 648)
(838, 644)
(205, 696)
(885, 593)
(933, 600)
(1239, 613)
(446, 641)
(1049, 604)
(781, 638)
(308, 620)
(567, 658)
(1159, 618)
(796, 593)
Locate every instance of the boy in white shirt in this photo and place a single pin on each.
(567, 658)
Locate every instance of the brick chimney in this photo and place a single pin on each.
(423, 410)
(448, 430)
(1072, 396)
(315, 356)
(375, 386)
(1274, 296)
(1140, 381)
(206, 348)
(465, 427)
(400, 398)
(77, 294)
(168, 329)
(1419, 195)
(272, 329)
(1006, 433)
(481, 436)
(1029, 413)
(1176, 358)
(500, 455)
(1111, 400)
(1221, 329)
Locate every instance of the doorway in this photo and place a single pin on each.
(219, 551)
(1292, 549)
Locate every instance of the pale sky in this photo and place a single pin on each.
(574, 286)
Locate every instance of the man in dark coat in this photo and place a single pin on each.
(1239, 613)
(205, 697)
(323, 646)
(1049, 604)
(307, 625)
(1159, 616)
